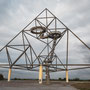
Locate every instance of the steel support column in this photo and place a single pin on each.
(47, 75)
(67, 76)
(67, 57)
(40, 74)
(9, 75)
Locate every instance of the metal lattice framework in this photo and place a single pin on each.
(48, 30)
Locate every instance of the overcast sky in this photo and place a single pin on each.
(16, 14)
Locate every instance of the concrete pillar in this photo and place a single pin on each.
(40, 74)
(9, 74)
(67, 76)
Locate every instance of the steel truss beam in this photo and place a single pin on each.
(50, 35)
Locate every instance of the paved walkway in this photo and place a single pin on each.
(27, 85)
(57, 87)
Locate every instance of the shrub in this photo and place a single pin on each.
(1, 77)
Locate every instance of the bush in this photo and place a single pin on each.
(60, 79)
(76, 79)
(1, 77)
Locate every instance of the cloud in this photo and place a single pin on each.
(73, 13)
(86, 53)
(16, 14)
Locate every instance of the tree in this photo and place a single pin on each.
(1, 77)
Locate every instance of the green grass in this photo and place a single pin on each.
(84, 89)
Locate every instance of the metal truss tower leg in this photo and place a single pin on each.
(40, 74)
(47, 75)
(9, 75)
(67, 76)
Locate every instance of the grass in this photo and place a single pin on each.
(84, 89)
(82, 86)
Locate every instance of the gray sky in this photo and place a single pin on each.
(16, 14)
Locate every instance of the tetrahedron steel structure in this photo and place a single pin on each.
(43, 32)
